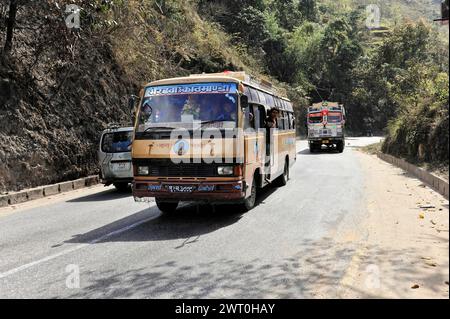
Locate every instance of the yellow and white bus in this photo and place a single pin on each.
(204, 138)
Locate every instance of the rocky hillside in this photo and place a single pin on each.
(60, 87)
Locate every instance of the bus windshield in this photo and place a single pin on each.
(188, 106)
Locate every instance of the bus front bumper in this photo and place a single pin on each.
(191, 191)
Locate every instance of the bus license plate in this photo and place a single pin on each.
(181, 188)
(326, 142)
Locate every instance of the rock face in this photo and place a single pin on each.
(58, 90)
(60, 87)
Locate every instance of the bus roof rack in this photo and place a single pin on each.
(242, 76)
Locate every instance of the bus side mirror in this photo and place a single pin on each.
(244, 102)
(131, 107)
(131, 102)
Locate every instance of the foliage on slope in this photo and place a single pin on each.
(60, 87)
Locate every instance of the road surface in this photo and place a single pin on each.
(321, 236)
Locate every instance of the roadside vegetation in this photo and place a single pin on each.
(60, 87)
(393, 80)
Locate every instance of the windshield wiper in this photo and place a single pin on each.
(157, 128)
(211, 122)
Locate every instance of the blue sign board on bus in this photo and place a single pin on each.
(198, 88)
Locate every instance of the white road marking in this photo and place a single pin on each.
(70, 250)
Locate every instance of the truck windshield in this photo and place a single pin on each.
(117, 142)
(189, 106)
(334, 117)
(315, 118)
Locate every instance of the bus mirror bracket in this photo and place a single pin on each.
(131, 102)
(244, 102)
(131, 106)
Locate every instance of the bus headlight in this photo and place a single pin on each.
(143, 170)
(225, 170)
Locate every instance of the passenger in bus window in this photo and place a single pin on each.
(217, 113)
(271, 123)
(230, 111)
(192, 106)
(249, 119)
(272, 118)
(224, 112)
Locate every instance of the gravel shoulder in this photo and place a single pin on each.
(405, 252)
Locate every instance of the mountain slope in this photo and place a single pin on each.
(61, 87)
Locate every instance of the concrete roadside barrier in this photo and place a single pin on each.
(51, 190)
(3, 201)
(79, 183)
(17, 198)
(14, 198)
(435, 182)
(35, 193)
(65, 187)
(91, 180)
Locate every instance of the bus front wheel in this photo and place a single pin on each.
(250, 201)
(166, 207)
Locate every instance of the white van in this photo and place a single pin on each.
(114, 156)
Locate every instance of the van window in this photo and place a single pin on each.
(117, 142)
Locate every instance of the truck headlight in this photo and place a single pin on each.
(225, 170)
(143, 170)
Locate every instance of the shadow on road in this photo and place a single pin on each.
(105, 195)
(189, 221)
(327, 151)
(315, 271)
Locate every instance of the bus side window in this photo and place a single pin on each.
(260, 116)
(282, 121)
(249, 118)
(286, 121)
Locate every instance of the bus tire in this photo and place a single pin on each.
(284, 178)
(166, 207)
(312, 148)
(121, 187)
(249, 202)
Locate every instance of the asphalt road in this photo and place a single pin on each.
(284, 248)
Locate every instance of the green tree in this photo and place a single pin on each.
(244, 19)
(308, 9)
(287, 13)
